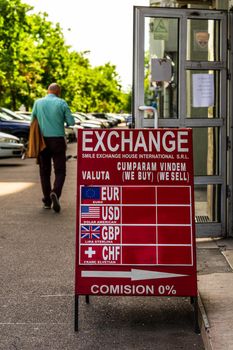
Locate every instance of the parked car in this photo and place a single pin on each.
(69, 132)
(14, 115)
(87, 117)
(108, 123)
(75, 129)
(129, 121)
(113, 122)
(14, 125)
(10, 147)
(86, 124)
(120, 118)
(25, 115)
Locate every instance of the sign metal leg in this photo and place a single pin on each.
(196, 325)
(87, 299)
(76, 300)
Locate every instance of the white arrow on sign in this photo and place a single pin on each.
(134, 274)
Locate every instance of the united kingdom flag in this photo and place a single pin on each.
(90, 232)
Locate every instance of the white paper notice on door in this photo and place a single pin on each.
(203, 90)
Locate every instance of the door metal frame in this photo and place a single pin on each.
(213, 229)
(230, 126)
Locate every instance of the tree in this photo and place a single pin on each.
(90, 89)
(13, 25)
(34, 54)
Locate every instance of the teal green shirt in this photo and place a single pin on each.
(52, 112)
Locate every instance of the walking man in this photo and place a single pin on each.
(52, 112)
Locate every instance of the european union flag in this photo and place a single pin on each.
(92, 193)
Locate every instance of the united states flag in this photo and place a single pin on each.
(90, 232)
(90, 212)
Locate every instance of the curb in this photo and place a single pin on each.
(205, 329)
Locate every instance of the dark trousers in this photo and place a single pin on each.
(55, 151)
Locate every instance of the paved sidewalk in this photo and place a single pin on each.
(37, 282)
(37, 250)
(215, 284)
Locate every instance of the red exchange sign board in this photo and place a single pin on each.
(135, 217)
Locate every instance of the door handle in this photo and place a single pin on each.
(153, 110)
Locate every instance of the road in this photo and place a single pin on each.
(37, 250)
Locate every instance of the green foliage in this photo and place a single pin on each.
(13, 25)
(34, 54)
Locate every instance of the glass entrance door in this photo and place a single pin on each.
(180, 73)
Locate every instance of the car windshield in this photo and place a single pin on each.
(6, 117)
(83, 115)
(80, 117)
(8, 112)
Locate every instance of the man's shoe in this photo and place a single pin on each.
(68, 157)
(55, 201)
(47, 204)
